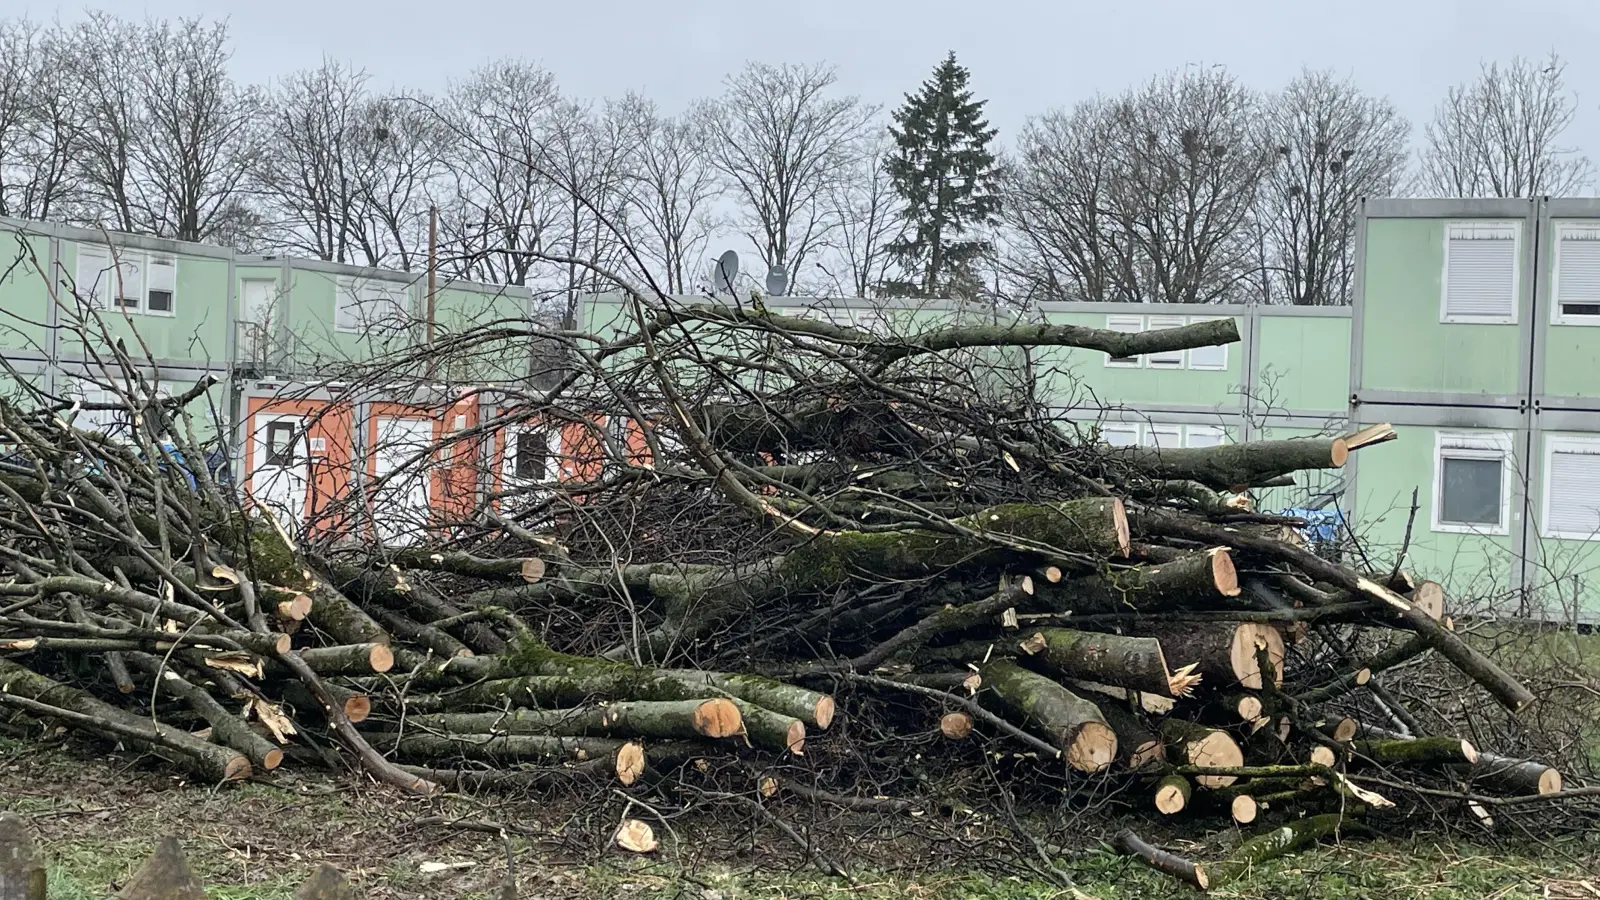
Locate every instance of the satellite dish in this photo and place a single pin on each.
(725, 273)
(777, 281)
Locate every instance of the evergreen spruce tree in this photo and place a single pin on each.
(944, 173)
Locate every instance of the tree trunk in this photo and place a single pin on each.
(1282, 840)
(1138, 745)
(1191, 581)
(1130, 844)
(1235, 467)
(1121, 660)
(227, 728)
(1070, 723)
(687, 719)
(1425, 751)
(1196, 745)
(1172, 794)
(1224, 652)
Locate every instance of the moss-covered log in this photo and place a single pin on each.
(1279, 841)
(493, 747)
(1514, 776)
(1235, 467)
(334, 613)
(1172, 794)
(682, 719)
(351, 659)
(991, 539)
(1115, 659)
(522, 569)
(1439, 751)
(1191, 581)
(1072, 724)
(770, 730)
(564, 679)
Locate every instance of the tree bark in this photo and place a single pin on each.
(1236, 467)
(1191, 581)
(228, 729)
(1138, 745)
(1282, 840)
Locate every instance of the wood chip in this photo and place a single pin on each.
(636, 836)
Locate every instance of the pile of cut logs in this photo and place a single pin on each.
(858, 523)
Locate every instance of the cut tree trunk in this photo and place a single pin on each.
(772, 730)
(1236, 467)
(1072, 724)
(1121, 660)
(1191, 581)
(489, 747)
(1138, 745)
(1423, 751)
(688, 719)
(1196, 745)
(1224, 652)
(1172, 794)
(1515, 776)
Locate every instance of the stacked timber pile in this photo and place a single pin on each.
(805, 510)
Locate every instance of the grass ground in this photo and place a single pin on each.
(99, 817)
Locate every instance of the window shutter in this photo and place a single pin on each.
(1481, 271)
(94, 277)
(1578, 270)
(1208, 358)
(1574, 492)
(162, 283)
(1171, 359)
(1126, 325)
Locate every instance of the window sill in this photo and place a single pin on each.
(1477, 320)
(1591, 537)
(1579, 321)
(1478, 530)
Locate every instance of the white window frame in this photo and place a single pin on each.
(1128, 428)
(1188, 359)
(1169, 359)
(122, 282)
(1515, 227)
(170, 260)
(1563, 443)
(365, 295)
(1471, 445)
(1216, 431)
(1121, 323)
(1557, 317)
(1152, 433)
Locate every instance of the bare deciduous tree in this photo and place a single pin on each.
(106, 85)
(501, 203)
(1142, 198)
(309, 181)
(672, 190)
(38, 122)
(400, 147)
(1499, 136)
(782, 140)
(586, 155)
(1331, 145)
(866, 207)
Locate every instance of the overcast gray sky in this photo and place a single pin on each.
(1025, 56)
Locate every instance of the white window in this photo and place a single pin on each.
(1471, 482)
(1480, 272)
(1577, 275)
(1204, 436)
(1161, 436)
(1170, 359)
(134, 281)
(161, 283)
(1127, 325)
(1572, 487)
(1208, 358)
(1120, 434)
(365, 305)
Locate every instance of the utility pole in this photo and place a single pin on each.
(433, 278)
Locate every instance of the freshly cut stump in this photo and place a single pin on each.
(1197, 745)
